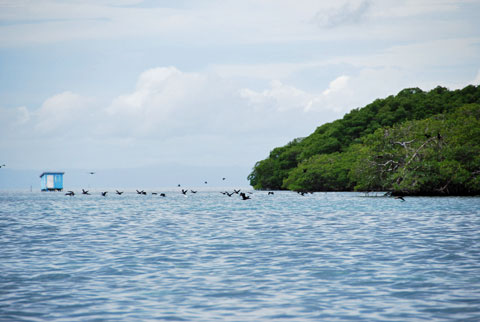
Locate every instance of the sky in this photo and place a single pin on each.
(173, 88)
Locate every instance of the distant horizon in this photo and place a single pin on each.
(131, 178)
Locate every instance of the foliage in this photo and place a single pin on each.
(435, 156)
(322, 172)
(326, 159)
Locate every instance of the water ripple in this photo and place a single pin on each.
(207, 257)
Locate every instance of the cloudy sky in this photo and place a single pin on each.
(157, 84)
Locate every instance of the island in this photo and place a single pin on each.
(413, 143)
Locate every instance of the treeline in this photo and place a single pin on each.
(416, 142)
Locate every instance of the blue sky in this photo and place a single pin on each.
(135, 84)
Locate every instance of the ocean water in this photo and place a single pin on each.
(208, 257)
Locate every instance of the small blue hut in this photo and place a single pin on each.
(52, 181)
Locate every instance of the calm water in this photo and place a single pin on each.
(208, 257)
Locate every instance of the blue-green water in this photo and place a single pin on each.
(208, 257)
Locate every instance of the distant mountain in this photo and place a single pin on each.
(411, 143)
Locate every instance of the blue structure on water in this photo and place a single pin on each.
(52, 181)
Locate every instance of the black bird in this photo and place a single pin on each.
(141, 192)
(244, 196)
(178, 185)
(3, 165)
(184, 192)
(229, 194)
(154, 193)
(223, 178)
(118, 192)
(270, 193)
(70, 193)
(193, 191)
(104, 193)
(85, 192)
(163, 195)
(91, 172)
(236, 191)
(206, 182)
(400, 197)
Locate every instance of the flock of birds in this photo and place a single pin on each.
(243, 195)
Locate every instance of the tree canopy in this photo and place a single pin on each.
(413, 143)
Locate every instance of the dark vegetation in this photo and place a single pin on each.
(414, 143)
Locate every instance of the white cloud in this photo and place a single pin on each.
(165, 99)
(62, 113)
(336, 85)
(476, 81)
(279, 97)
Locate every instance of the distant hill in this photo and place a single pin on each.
(416, 142)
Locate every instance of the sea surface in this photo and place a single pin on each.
(210, 257)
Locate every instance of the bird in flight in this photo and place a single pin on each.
(70, 193)
(104, 193)
(119, 192)
(85, 192)
(244, 196)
